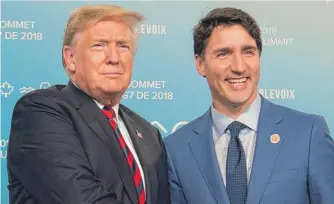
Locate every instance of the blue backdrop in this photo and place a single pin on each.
(296, 71)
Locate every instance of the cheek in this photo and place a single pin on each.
(218, 70)
(90, 61)
(127, 63)
(256, 73)
(254, 66)
(96, 59)
(94, 64)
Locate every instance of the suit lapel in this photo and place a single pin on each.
(140, 146)
(265, 152)
(202, 147)
(100, 125)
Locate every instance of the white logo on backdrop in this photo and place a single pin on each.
(164, 130)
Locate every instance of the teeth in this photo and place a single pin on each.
(241, 80)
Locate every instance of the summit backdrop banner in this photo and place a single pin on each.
(297, 62)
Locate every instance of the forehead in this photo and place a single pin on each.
(230, 36)
(109, 29)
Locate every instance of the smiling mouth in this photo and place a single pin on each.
(237, 80)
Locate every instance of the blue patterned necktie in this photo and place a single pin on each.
(236, 171)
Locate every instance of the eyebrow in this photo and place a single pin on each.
(249, 47)
(223, 49)
(118, 41)
(122, 41)
(229, 49)
(101, 40)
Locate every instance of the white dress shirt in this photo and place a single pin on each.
(126, 137)
(247, 136)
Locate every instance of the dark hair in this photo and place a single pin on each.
(224, 16)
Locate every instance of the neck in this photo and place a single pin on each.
(106, 99)
(233, 110)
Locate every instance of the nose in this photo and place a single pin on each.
(112, 55)
(238, 64)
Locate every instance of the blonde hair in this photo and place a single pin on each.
(89, 15)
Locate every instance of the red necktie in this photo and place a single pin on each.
(110, 114)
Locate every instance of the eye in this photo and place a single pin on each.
(249, 52)
(124, 47)
(222, 54)
(98, 46)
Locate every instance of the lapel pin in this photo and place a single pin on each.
(139, 134)
(275, 138)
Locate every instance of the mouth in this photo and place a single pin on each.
(111, 74)
(238, 83)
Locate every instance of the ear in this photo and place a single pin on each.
(200, 65)
(68, 56)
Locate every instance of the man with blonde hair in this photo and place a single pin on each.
(77, 144)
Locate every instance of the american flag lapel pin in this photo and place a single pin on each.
(139, 134)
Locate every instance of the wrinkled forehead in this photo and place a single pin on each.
(111, 30)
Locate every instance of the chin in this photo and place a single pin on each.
(237, 101)
(113, 91)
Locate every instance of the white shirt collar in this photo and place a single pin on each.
(115, 107)
(250, 117)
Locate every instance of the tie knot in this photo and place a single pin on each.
(108, 112)
(235, 128)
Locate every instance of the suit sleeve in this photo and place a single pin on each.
(321, 164)
(176, 192)
(46, 155)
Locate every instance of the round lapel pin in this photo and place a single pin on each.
(275, 138)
